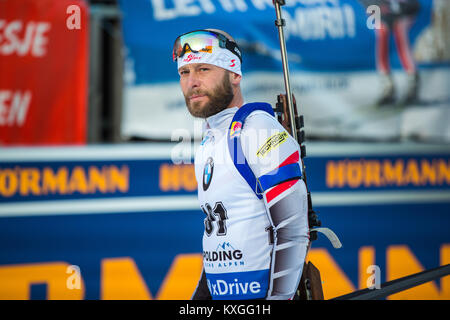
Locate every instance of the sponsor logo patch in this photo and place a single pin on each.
(238, 285)
(191, 57)
(224, 256)
(273, 142)
(235, 130)
(208, 171)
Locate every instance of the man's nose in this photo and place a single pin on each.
(193, 80)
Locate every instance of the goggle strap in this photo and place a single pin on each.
(231, 46)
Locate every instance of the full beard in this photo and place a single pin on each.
(219, 99)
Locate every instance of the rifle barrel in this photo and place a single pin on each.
(280, 24)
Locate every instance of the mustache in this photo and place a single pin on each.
(197, 92)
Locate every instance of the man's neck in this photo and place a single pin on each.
(237, 101)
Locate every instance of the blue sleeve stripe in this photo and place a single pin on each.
(279, 175)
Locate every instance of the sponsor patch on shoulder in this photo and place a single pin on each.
(235, 129)
(273, 142)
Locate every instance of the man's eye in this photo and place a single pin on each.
(204, 69)
(184, 72)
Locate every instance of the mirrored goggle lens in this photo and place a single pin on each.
(199, 41)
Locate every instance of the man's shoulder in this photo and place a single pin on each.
(261, 119)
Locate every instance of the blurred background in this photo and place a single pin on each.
(97, 184)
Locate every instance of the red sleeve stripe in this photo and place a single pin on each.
(293, 158)
(279, 189)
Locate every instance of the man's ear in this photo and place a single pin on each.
(235, 78)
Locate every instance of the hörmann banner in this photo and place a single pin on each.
(123, 222)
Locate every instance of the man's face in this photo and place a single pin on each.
(206, 88)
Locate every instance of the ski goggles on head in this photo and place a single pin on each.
(203, 41)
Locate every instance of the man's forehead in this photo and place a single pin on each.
(198, 65)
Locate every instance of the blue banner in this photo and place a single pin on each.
(123, 222)
(321, 35)
(359, 69)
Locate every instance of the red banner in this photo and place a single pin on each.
(43, 72)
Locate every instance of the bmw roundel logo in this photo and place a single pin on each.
(208, 173)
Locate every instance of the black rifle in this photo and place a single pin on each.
(310, 286)
(286, 111)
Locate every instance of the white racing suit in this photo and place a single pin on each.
(254, 243)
